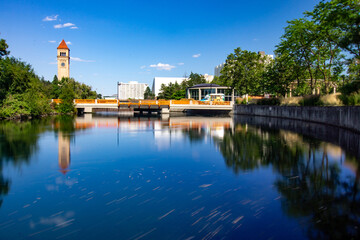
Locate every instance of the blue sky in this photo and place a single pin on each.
(121, 41)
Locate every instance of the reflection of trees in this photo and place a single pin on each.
(65, 124)
(311, 186)
(248, 148)
(195, 134)
(18, 142)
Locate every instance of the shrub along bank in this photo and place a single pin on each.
(23, 94)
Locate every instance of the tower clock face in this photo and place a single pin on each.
(63, 64)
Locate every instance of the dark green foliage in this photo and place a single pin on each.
(81, 90)
(148, 94)
(243, 72)
(14, 106)
(340, 20)
(67, 100)
(312, 100)
(350, 93)
(268, 101)
(15, 76)
(3, 48)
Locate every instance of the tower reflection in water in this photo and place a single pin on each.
(64, 152)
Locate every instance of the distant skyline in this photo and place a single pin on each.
(122, 41)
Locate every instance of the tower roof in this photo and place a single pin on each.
(62, 45)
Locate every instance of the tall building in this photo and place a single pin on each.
(133, 90)
(268, 58)
(63, 60)
(217, 70)
(158, 81)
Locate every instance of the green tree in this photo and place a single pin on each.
(340, 20)
(67, 97)
(243, 71)
(148, 94)
(194, 79)
(3, 48)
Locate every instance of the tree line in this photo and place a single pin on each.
(316, 53)
(25, 94)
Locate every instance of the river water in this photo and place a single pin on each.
(184, 177)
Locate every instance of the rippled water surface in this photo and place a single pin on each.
(110, 177)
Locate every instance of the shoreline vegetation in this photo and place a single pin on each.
(318, 54)
(24, 95)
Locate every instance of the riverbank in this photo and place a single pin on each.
(344, 116)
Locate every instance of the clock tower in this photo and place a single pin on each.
(63, 60)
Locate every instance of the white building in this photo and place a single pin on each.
(158, 81)
(218, 69)
(268, 58)
(133, 90)
(208, 77)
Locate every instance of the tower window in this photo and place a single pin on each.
(63, 54)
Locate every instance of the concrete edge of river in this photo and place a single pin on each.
(341, 116)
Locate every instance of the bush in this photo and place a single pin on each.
(312, 100)
(352, 99)
(14, 106)
(290, 101)
(268, 101)
(350, 93)
(331, 100)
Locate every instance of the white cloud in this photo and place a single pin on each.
(52, 41)
(64, 25)
(76, 59)
(180, 64)
(68, 43)
(196, 55)
(74, 27)
(50, 18)
(142, 67)
(162, 66)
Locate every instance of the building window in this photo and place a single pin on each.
(63, 54)
(194, 93)
(205, 92)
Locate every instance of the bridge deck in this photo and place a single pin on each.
(144, 105)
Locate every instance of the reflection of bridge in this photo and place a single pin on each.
(160, 106)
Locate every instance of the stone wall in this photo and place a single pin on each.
(346, 117)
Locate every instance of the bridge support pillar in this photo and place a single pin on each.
(88, 110)
(165, 111)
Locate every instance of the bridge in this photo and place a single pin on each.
(159, 106)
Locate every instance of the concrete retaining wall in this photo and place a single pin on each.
(347, 117)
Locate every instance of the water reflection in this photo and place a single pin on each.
(64, 152)
(18, 142)
(317, 181)
(309, 177)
